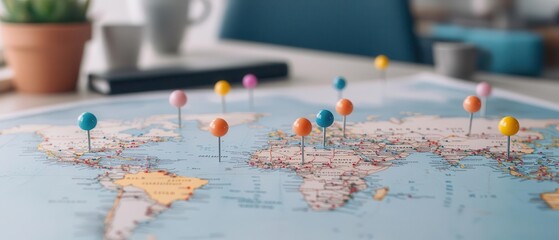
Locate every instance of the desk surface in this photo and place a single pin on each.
(307, 68)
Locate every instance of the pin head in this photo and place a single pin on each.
(344, 107)
(339, 83)
(87, 121)
(381, 62)
(178, 98)
(472, 104)
(219, 127)
(302, 127)
(222, 87)
(484, 89)
(509, 126)
(250, 81)
(324, 118)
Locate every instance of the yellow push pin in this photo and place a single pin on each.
(222, 88)
(381, 64)
(509, 126)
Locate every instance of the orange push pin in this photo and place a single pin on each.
(219, 127)
(344, 107)
(472, 104)
(302, 127)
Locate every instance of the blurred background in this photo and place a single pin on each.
(435, 20)
(510, 37)
(457, 20)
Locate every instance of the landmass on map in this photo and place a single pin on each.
(143, 191)
(333, 174)
(380, 193)
(551, 198)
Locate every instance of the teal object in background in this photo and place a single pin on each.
(363, 27)
(501, 51)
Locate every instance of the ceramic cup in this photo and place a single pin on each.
(122, 43)
(457, 60)
(167, 20)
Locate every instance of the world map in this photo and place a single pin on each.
(406, 168)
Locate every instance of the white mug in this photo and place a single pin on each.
(166, 21)
(122, 44)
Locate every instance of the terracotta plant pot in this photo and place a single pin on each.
(45, 58)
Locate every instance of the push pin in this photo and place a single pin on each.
(219, 127)
(381, 64)
(324, 119)
(484, 90)
(222, 88)
(178, 99)
(471, 104)
(249, 82)
(302, 127)
(344, 107)
(87, 121)
(509, 126)
(339, 84)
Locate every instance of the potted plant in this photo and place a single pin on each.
(44, 42)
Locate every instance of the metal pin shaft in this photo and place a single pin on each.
(219, 147)
(89, 140)
(302, 150)
(251, 99)
(223, 104)
(483, 106)
(383, 77)
(324, 138)
(508, 147)
(180, 121)
(343, 131)
(470, 128)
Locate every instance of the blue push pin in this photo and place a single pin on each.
(87, 121)
(324, 119)
(339, 84)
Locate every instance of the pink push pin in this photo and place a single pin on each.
(484, 90)
(178, 99)
(249, 82)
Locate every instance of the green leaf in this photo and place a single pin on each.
(17, 10)
(85, 8)
(60, 12)
(42, 9)
(21, 12)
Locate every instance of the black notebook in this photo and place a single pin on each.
(181, 75)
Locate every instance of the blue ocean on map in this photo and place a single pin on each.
(428, 198)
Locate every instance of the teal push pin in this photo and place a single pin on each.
(87, 121)
(324, 119)
(339, 84)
